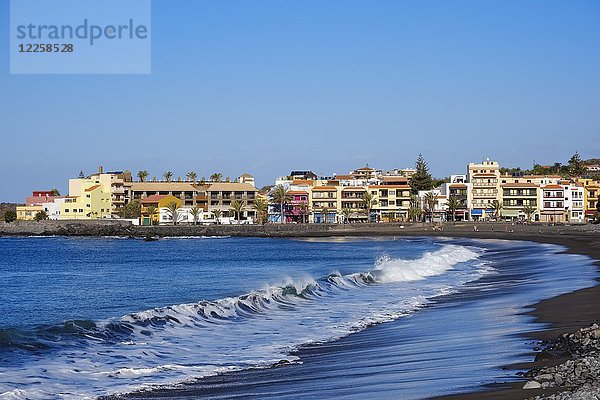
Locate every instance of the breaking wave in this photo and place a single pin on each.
(174, 344)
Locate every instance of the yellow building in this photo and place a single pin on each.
(86, 200)
(154, 208)
(391, 202)
(591, 196)
(27, 213)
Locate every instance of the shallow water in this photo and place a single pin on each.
(89, 317)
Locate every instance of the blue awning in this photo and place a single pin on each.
(476, 212)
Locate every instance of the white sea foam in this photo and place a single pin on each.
(174, 344)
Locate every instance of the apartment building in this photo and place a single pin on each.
(517, 196)
(187, 192)
(391, 201)
(221, 195)
(325, 203)
(485, 188)
(553, 204)
(591, 197)
(87, 200)
(457, 188)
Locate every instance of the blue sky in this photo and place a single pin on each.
(269, 86)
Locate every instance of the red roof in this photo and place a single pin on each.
(553, 187)
(155, 198)
(297, 192)
(325, 188)
(92, 188)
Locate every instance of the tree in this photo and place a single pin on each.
(368, 201)
(168, 175)
(453, 204)
(281, 195)
(173, 211)
(346, 212)
(41, 216)
(497, 207)
(528, 210)
(130, 210)
(238, 207)
(81, 175)
(325, 211)
(216, 177)
(151, 210)
(142, 175)
(192, 176)
(262, 208)
(576, 166)
(55, 192)
(430, 200)
(421, 179)
(304, 211)
(414, 213)
(217, 214)
(195, 211)
(10, 216)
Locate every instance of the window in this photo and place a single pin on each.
(66, 210)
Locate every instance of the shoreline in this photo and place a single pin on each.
(563, 314)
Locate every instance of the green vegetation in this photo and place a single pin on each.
(497, 207)
(262, 209)
(142, 175)
(453, 204)
(217, 214)
(216, 177)
(195, 211)
(173, 211)
(10, 216)
(191, 176)
(528, 211)
(55, 192)
(421, 179)
(281, 196)
(130, 210)
(238, 207)
(41, 216)
(368, 201)
(168, 176)
(151, 210)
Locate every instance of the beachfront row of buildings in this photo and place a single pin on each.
(365, 194)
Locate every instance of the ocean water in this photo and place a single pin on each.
(268, 318)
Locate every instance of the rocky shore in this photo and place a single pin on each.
(578, 377)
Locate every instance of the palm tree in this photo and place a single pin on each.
(414, 213)
(528, 210)
(195, 211)
(142, 175)
(415, 206)
(325, 211)
(453, 204)
(368, 202)
(151, 210)
(216, 177)
(217, 213)
(497, 206)
(168, 175)
(55, 192)
(281, 196)
(346, 212)
(238, 207)
(191, 176)
(262, 208)
(304, 211)
(173, 211)
(430, 200)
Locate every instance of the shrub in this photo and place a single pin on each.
(10, 216)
